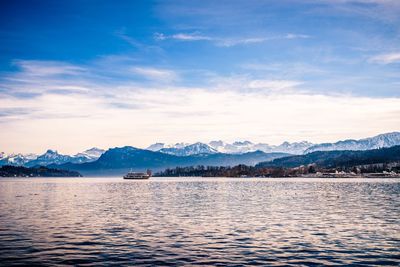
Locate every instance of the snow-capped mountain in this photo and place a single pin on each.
(159, 146)
(193, 149)
(50, 157)
(293, 148)
(156, 146)
(16, 159)
(247, 146)
(119, 160)
(213, 147)
(88, 155)
(238, 147)
(379, 141)
(53, 157)
(304, 147)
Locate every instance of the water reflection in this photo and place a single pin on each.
(178, 221)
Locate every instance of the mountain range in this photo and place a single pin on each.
(119, 160)
(49, 157)
(379, 141)
(188, 150)
(238, 147)
(295, 148)
(214, 153)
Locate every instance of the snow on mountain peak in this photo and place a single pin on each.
(16, 159)
(51, 156)
(378, 141)
(51, 152)
(247, 146)
(91, 154)
(237, 147)
(156, 146)
(193, 149)
(159, 146)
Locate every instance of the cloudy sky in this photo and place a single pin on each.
(78, 74)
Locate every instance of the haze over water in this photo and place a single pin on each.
(199, 221)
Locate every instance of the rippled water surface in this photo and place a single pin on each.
(199, 221)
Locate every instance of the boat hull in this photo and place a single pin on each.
(136, 178)
(137, 175)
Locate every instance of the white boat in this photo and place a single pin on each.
(138, 175)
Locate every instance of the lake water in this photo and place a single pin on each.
(199, 221)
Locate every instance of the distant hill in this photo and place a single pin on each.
(379, 141)
(19, 171)
(120, 160)
(332, 159)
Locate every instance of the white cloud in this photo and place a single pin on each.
(155, 74)
(297, 36)
(381, 10)
(273, 84)
(254, 40)
(386, 58)
(182, 37)
(47, 68)
(246, 84)
(238, 106)
(226, 41)
(188, 114)
(190, 37)
(159, 36)
(234, 42)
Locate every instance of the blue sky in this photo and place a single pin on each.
(76, 74)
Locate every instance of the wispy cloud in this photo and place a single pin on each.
(379, 10)
(273, 85)
(47, 68)
(386, 58)
(36, 77)
(285, 68)
(240, 41)
(137, 44)
(155, 74)
(226, 41)
(14, 112)
(296, 36)
(116, 109)
(230, 114)
(129, 40)
(182, 37)
(245, 84)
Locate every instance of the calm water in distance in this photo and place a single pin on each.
(199, 221)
